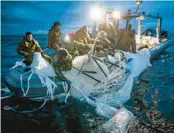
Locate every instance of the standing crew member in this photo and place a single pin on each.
(132, 38)
(28, 47)
(82, 40)
(54, 36)
(104, 46)
(108, 27)
(126, 41)
(82, 36)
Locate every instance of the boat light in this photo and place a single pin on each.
(67, 38)
(116, 15)
(139, 2)
(97, 13)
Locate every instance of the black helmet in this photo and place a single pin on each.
(63, 53)
(56, 23)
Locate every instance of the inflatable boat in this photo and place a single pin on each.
(25, 83)
(34, 86)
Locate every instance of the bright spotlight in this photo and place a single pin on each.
(139, 2)
(67, 38)
(96, 14)
(116, 15)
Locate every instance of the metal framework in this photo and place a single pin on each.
(136, 15)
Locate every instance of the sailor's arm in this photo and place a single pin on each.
(133, 44)
(60, 75)
(20, 50)
(58, 71)
(49, 39)
(38, 48)
(108, 42)
(91, 40)
(80, 45)
(113, 29)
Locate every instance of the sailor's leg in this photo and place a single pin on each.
(55, 47)
(28, 60)
(143, 46)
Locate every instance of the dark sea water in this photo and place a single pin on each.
(153, 91)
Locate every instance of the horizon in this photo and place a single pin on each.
(38, 16)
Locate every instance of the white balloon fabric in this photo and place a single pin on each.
(141, 60)
(44, 70)
(120, 121)
(42, 66)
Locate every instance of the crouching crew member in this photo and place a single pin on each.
(28, 47)
(62, 61)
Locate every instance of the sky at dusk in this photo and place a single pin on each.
(39, 16)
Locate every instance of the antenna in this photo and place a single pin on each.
(138, 2)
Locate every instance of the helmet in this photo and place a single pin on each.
(102, 34)
(56, 23)
(62, 53)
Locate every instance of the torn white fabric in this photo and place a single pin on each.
(43, 70)
(120, 121)
(141, 60)
(41, 66)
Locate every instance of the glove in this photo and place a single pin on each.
(31, 52)
(26, 54)
(68, 82)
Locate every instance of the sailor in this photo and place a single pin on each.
(108, 27)
(126, 40)
(54, 36)
(70, 46)
(62, 61)
(83, 36)
(75, 48)
(132, 38)
(104, 46)
(27, 48)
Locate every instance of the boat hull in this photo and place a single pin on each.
(36, 89)
(157, 50)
